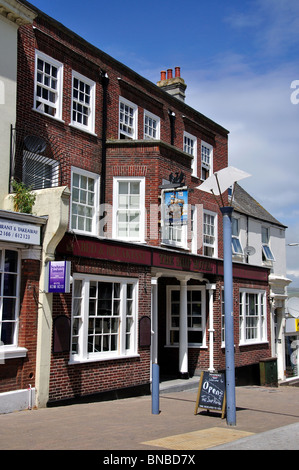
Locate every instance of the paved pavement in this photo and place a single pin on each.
(266, 418)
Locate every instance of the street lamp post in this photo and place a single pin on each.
(228, 316)
(216, 184)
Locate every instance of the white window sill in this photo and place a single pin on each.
(268, 263)
(253, 343)
(83, 129)
(128, 240)
(49, 116)
(174, 245)
(238, 256)
(81, 232)
(190, 346)
(74, 361)
(12, 352)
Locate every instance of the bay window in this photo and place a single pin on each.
(104, 318)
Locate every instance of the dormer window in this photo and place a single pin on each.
(267, 254)
(236, 244)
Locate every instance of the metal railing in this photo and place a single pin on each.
(35, 159)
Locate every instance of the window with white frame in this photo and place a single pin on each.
(40, 172)
(83, 102)
(129, 208)
(196, 317)
(48, 85)
(9, 297)
(151, 126)
(174, 218)
(253, 324)
(210, 231)
(127, 119)
(190, 147)
(104, 318)
(236, 244)
(267, 254)
(206, 160)
(84, 201)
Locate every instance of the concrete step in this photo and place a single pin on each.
(179, 385)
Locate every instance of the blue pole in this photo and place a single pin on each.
(155, 389)
(228, 315)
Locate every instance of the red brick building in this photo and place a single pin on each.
(145, 245)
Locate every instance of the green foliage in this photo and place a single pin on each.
(23, 198)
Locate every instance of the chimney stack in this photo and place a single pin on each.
(175, 86)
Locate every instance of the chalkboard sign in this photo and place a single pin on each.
(211, 392)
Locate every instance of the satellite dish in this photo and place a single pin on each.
(249, 250)
(35, 144)
(293, 306)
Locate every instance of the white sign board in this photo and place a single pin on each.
(20, 232)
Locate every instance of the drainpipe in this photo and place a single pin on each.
(105, 82)
(171, 115)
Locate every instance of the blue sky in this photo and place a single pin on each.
(238, 58)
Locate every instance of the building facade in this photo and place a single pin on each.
(115, 162)
(20, 238)
(259, 239)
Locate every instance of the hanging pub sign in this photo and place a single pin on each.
(58, 277)
(176, 207)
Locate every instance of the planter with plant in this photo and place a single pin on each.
(23, 197)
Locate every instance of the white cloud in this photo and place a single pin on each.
(273, 25)
(264, 135)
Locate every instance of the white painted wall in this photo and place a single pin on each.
(8, 74)
(251, 235)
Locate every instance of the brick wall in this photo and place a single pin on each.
(70, 381)
(83, 150)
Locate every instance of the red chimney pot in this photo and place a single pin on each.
(178, 71)
(169, 73)
(163, 75)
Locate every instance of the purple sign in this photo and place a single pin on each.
(59, 276)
